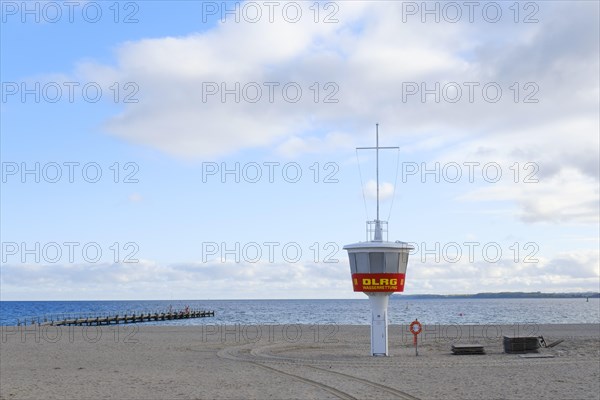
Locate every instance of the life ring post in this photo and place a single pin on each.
(415, 328)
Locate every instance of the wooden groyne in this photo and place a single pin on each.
(126, 318)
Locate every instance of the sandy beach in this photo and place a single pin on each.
(292, 362)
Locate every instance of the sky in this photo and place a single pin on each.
(207, 150)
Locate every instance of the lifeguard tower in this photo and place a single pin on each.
(378, 268)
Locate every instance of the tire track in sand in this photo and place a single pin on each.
(255, 357)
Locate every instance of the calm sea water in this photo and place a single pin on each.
(343, 312)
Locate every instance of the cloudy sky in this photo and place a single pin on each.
(206, 150)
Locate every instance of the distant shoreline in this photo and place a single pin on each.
(503, 295)
(489, 295)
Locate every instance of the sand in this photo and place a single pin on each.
(292, 362)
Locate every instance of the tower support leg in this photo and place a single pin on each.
(379, 323)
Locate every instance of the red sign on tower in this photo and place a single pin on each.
(378, 282)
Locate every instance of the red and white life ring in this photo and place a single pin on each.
(415, 327)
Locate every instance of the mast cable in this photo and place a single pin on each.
(362, 186)
(395, 183)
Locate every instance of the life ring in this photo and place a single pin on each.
(415, 327)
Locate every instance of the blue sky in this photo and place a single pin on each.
(509, 101)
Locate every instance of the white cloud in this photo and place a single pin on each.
(569, 271)
(297, 145)
(386, 190)
(147, 279)
(364, 62)
(357, 56)
(576, 271)
(135, 198)
(568, 196)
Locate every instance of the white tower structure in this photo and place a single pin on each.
(378, 268)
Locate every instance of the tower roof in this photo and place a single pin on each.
(379, 245)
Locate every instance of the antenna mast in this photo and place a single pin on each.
(377, 165)
(378, 231)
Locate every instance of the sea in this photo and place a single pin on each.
(341, 312)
